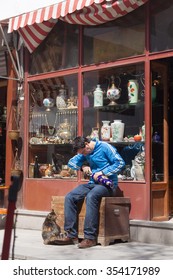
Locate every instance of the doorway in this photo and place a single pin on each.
(170, 126)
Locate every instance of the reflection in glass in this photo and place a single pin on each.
(58, 51)
(120, 38)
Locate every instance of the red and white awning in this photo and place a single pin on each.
(35, 26)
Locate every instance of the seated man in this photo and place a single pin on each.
(104, 163)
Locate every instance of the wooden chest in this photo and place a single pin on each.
(113, 218)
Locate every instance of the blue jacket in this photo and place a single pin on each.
(103, 158)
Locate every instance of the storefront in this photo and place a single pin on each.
(87, 66)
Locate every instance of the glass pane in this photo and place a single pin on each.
(161, 25)
(117, 39)
(157, 95)
(52, 122)
(58, 51)
(114, 112)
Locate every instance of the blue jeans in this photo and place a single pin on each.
(93, 194)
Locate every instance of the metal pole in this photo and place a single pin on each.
(12, 59)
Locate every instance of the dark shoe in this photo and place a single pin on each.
(66, 241)
(87, 243)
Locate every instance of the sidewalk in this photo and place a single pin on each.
(29, 245)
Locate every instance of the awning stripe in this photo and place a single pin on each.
(34, 34)
(85, 12)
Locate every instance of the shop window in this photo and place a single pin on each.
(114, 112)
(159, 97)
(121, 38)
(161, 35)
(58, 51)
(52, 125)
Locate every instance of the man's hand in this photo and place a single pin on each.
(86, 170)
(97, 174)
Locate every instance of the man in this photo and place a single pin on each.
(103, 160)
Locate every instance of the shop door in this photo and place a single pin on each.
(160, 140)
(170, 122)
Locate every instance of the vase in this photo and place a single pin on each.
(95, 133)
(117, 130)
(98, 97)
(105, 131)
(133, 88)
(113, 93)
(60, 99)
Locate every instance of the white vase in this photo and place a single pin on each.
(105, 131)
(98, 97)
(133, 88)
(117, 130)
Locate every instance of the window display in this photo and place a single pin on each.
(52, 125)
(113, 111)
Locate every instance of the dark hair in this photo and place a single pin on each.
(79, 142)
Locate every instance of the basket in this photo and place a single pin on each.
(13, 134)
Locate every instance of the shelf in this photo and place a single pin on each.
(123, 143)
(50, 144)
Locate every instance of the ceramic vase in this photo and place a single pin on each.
(98, 97)
(133, 88)
(113, 94)
(117, 130)
(95, 133)
(105, 131)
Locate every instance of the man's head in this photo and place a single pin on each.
(82, 145)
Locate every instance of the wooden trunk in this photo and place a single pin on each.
(113, 218)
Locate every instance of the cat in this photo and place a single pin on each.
(51, 231)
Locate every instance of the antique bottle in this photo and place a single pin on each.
(36, 168)
(98, 97)
(105, 131)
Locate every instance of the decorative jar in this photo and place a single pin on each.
(133, 88)
(60, 99)
(105, 131)
(117, 130)
(98, 97)
(113, 93)
(95, 133)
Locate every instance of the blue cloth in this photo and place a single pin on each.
(103, 158)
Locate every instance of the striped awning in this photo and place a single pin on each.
(35, 26)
